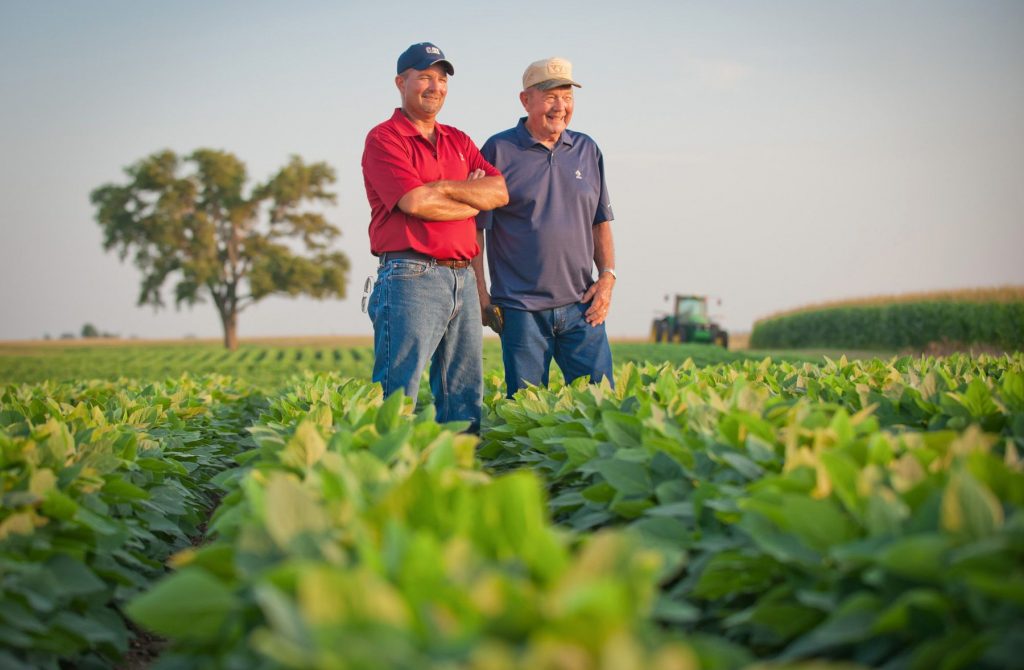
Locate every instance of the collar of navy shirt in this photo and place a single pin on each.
(526, 140)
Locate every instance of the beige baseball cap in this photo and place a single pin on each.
(549, 73)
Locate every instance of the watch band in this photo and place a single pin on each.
(610, 271)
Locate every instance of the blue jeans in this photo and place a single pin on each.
(423, 312)
(530, 340)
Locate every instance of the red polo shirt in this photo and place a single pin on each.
(397, 159)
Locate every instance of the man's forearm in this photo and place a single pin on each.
(599, 295)
(604, 248)
(478, 268)
(483, 194)
(431, 204)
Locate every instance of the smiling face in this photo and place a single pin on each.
(547, 112)
(423, 91)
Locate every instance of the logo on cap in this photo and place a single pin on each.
(421, 56)
(549, 73)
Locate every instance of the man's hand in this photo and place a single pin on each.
(485, 304)
(494, 318)
(476, 174)
(599, 295)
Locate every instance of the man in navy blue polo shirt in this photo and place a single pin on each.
(543, 246)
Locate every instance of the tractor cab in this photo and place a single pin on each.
(689, 322)
(690, 308)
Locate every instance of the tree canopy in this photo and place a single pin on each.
(190, 220)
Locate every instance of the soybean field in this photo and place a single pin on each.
(187, 507)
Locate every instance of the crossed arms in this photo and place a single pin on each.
(448, 200)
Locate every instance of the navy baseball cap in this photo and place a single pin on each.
(421, 56)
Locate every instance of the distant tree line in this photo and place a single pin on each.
(89, 331)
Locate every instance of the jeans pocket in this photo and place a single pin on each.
(404, 269)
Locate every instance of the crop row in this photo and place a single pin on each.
(360, 535)
(265, 366)
(269, 367)
(867, 512)
(100, 484)
(691, 517)
(1000, 294)
(901, 325)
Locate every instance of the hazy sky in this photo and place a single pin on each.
(771, 154)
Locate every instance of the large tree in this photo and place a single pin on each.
(189, 218)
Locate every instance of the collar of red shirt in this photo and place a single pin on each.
(406, 128)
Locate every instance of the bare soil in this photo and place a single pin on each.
(145, 647)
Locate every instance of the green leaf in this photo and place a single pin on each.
(976, 400)
(969, 507)
(392, 442)
(93, 631)
(96, 522)
(162, 465)
(783, 617)
(680, 508)
(623, 430)
(188, 605)
(731, 573)
(921, 557)
(851, 623)
(1008, 588)
(282, 612)
(73, 577)
(1011, 389)
(843, 473)
(389, 413)
(665, 533)
(910, 608)
(817, 523)
(118, 489)
(289, 510)
(626, 477)
(630, 508)
(784, 547)
(600, 492)
(743, 465)
(10, 662)
(579, 450)
(305, 448)
(217, 558)
(59, 505)
(675, 612)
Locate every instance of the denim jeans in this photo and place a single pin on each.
(423, 312)
(530, 340)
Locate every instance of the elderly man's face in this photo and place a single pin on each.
(548, 112)
(423, 91)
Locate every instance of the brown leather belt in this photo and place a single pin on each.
(417, 256)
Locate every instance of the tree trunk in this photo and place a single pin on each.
(229, 318)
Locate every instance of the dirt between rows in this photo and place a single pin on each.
(145, 647)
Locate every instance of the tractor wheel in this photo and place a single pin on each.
(682, 335)
(722, 339)
(658, 331)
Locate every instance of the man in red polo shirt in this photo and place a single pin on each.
(426, 182)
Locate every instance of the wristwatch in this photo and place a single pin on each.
(610, 271)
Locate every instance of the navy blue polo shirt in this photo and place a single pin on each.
(540, 246)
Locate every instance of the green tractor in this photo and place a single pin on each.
(689, 322)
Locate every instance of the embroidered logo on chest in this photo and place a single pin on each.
(579, 175)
